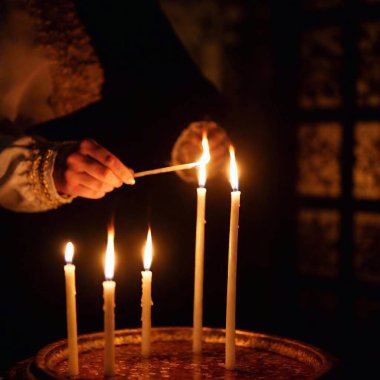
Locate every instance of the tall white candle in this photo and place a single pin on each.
(109, 307)
(146, 299)
(199, 251)
(199, 271)
(232, 265)
(71, 311)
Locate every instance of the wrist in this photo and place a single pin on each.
(60, 166)
(42, 178)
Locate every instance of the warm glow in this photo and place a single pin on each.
(233, 170)
(69, 252)
(148, 251)
(110, 254)
(204, 161)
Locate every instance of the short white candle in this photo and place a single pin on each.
(109, 307)
(199, 250)
(146, 299)
(71, 311)
(232, 265)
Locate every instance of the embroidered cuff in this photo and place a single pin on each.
(41, 178)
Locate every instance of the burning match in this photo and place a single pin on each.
(203, 160)
(168, 169)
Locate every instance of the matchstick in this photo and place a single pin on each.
(167, 169)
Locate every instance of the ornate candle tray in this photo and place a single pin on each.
(258, 356)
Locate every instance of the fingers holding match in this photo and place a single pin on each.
(88, 170)
(84, 164)
(88, 181)
(92, 149)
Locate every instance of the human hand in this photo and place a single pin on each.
(88, 170)
(188, 148)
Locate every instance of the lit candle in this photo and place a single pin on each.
(199, 250)
(146, 299)
(71, 311)
(109, 306)
(232, 263)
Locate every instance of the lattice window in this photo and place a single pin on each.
(318, 159)
(321, 68)
(367, 161)
(338, 135)
(367, 247)
(368, 82)
(318, 231)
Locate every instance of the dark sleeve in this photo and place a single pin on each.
(153, 89)
(144, 60)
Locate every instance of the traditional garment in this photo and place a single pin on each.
(152, 91)
(115, 72)
(48, 69)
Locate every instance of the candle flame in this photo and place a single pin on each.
(148, 251)
(69, 252)
(204, 160)
(110, 254)
(233, 170)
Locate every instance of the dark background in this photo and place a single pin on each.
(302, 82)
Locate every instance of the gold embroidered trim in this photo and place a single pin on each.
(40, 179)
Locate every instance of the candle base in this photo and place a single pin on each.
(197, 341)
(109, 327)
(230, 364)
(71, 318)
(199, 270)
(146, 312)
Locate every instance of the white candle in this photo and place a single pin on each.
(109, 307)
(71, 311)
(232, 264)
(199, 251)
(146, 299)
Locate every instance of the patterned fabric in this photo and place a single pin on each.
(48, 69)
(76, 72)
(26, 181)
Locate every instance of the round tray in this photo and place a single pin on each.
(258, 356)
